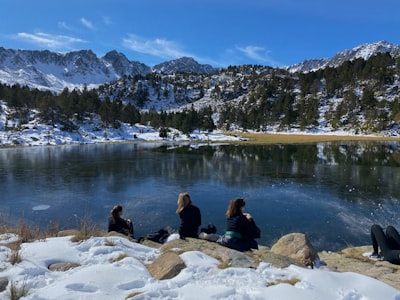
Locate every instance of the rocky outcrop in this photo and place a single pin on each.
(348, 260)
(353, 260)
(298, 247)
(292, 249)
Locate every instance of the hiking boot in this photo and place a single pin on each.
(376, 256)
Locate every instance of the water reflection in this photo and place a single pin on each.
(332, 192)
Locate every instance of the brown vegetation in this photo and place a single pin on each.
(275, 138)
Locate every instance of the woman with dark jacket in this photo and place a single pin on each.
(241, 230)
(118, 224)
(190, 217)
(388, 243)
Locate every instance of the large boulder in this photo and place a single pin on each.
(166, 266)
(298, 247)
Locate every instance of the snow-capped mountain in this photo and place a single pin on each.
(184, 64)
(364, 51)
(53, 71)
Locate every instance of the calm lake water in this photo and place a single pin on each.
(333, 192)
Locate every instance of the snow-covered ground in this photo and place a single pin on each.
(101, 275)
(90, 131)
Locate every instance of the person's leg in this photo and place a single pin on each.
(131, 232)
(393, 238)
(392, 256)
(379, 239)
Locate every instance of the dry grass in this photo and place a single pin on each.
(15, 257)
(266, 138)
(110, 243)
(224, 264)
(292, 281)
(86, 230)
(357, 253)
(119, 257)
(18, 291)
(52, 229)
(133, 294)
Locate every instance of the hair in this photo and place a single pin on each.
(115, 211)
(183, 201)
(234, 207)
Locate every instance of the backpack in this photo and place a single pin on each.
(159, 236)
(209, 229)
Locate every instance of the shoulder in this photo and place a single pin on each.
(195, 208)
(192, 208)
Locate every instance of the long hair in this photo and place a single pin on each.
(234, 207)
(183, 201)
(115, 211)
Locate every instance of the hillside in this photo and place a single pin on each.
(355, 92)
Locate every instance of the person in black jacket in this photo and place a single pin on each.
(190, 217)
(241, 230)
(388, 243)
(119, 224)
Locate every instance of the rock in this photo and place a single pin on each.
(296, 246)
(166, 266)
(240, 260)
(276, 260)
(3, 284)
(62, 266)
(226, 256)
(352, 260)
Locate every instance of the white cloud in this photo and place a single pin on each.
(49, 41)
(258, 54)
(87, 23)
(157, 47)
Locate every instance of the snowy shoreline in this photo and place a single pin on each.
(114, 268)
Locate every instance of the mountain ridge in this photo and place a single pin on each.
(364, 51)
(47, 70)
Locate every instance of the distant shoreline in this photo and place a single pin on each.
(297, 138)
(247, 138)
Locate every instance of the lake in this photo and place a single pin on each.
(333, 192)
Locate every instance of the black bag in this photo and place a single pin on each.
(159, 236)
(209, 229)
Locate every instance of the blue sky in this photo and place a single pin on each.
(216, 32)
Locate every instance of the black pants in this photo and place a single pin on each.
(389, 243)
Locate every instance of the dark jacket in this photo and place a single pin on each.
(190, 221)
(120, 225)
(240, 224)
(240, 233)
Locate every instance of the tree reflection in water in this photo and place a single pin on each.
(331, 191)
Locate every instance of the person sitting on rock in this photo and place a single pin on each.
(190, 217)
(241, 230)
(118, 224)
(388, 243)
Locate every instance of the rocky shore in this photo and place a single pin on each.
(291, 249)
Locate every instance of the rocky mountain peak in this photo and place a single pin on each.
(364, 51)
(185, 65)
